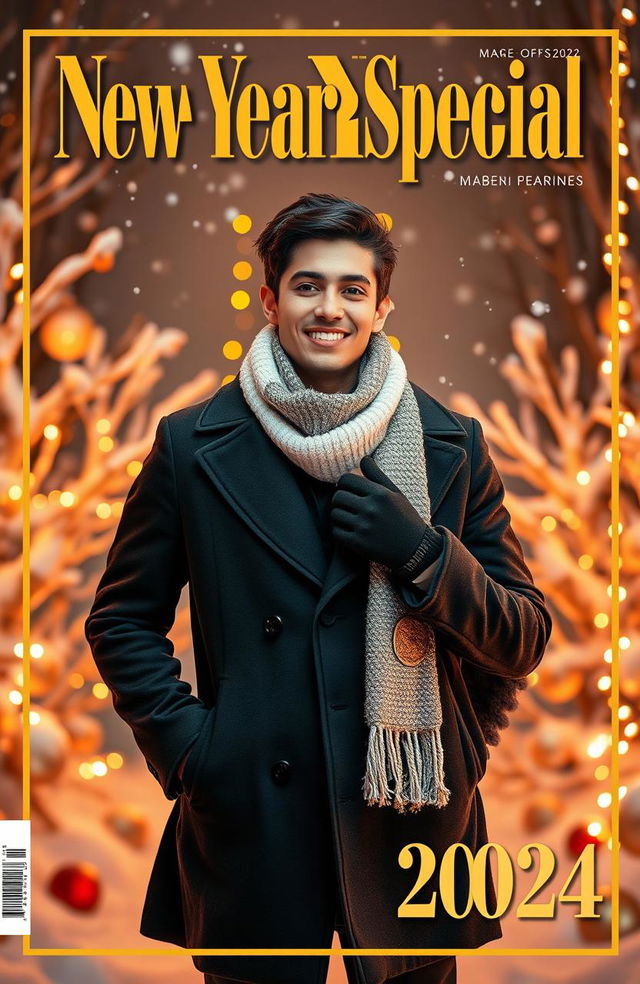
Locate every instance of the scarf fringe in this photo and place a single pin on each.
(405, 769)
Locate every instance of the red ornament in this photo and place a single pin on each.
(78, 885)
(579, 837)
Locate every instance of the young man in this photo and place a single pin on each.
(362, 617)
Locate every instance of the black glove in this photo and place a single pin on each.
(371, 516)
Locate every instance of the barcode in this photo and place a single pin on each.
(14, 877)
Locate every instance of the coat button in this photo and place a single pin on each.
(281, 772)
(272, 626)
(327, 619)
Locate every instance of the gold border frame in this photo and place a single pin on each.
(614, 35)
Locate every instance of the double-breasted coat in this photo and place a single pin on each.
(269, 821)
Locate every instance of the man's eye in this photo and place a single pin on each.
(356, 290)
(302, 286)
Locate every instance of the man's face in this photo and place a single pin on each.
(326, 311)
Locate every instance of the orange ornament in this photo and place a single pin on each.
(603, 314)
(103, 262)
(66, 334)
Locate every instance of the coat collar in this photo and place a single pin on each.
(259, 481)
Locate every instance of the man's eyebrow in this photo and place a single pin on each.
(313, 275)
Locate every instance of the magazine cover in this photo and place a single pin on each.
(320, 520)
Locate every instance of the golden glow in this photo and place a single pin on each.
(631, 729)
(240, 300)
(67, 499)
(242, 223)
(103, 510)
(623, 149)
(16, 271)
(76, 680)
(548, 523)
(15, 492)
(604, 683)
(604, 800)
(15, 696)
(39, 501)
(624, 642)
(602, 772)
(105, 444)
(585, 562)
(134, 468)
(610, 528)
(624, 326)
(99, 768)
(622, 592)
(232, 350)
(628, 15)
(51, 432)
(623, 747)
(623, 208)
(115, 760)
(103, 426)
(601, 620)
(100, 690)
(242, 270)
(34, 717)
(598, 746)
(85, 770)
(632, 183)
(583, 477)
(606, 367)
(36, 651)
(18, 650)
(594, 828)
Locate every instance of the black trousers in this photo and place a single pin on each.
(440, 971)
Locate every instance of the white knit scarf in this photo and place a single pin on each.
(327, 434)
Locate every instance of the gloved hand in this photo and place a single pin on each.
(371, 516)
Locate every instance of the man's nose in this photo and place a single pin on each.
(329, 305)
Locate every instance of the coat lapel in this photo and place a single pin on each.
(259, 482)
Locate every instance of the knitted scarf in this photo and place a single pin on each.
(327, 434)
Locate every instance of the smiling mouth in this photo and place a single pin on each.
(326, 335)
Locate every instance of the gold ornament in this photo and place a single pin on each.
(66, 334)
(553, 746)
(557, 684)
(85, 732)
(49, 746)
(599, 930)
(630, 821)
(129, 822)
(542, 810)
(45, 671)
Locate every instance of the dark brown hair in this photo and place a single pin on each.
(325, 216)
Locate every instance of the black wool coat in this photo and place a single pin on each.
(269, 823)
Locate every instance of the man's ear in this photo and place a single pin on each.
(269, 304)
(385, 307)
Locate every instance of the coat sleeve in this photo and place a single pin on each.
(134, 609)
(479, 593)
